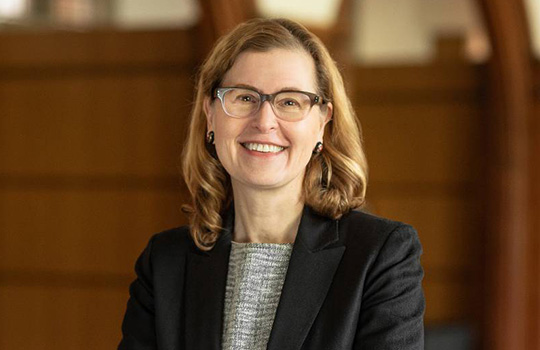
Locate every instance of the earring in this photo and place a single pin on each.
(210, 138)
(318, 148)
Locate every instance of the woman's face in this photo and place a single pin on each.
(267, 72)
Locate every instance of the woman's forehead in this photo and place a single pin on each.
(272, 70)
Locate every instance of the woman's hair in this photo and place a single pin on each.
(335, 179)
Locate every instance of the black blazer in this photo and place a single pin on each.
(353, 283)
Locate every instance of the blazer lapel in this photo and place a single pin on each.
(314, 260)
(206, 278)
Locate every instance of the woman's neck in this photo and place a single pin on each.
(267, 216)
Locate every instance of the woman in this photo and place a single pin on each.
(275, 256)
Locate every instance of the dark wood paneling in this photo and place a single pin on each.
(439, 311)
(423, 135)
(52, 317)
(114, 124)
(422, 143)
(409, 84)
(91, 128)
(84, 231)
(71, 50)
(447, 227)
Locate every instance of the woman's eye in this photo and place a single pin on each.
(246, 98)
(289, 103)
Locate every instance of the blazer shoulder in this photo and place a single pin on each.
(363, 228)
(176, 241)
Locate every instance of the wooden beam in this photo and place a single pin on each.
(535, 210)
(219, 17)
(509, 311)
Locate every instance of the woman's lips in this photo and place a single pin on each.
(262, 147)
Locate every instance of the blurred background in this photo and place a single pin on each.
(94, 102)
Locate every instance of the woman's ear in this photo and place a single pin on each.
(327, 114)
(209, 113)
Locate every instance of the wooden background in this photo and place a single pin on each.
(91, 128)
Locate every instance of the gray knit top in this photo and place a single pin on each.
(254, 282)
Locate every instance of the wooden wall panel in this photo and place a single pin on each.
(440, 311)
(91, 128)
(428, 143)
(423, 133)
(61, 317)
(448, 228)
(449, 231)
(82, 231)
(94, 124)
(68, 51)
(456, 81)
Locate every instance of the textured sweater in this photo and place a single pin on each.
(254, 282)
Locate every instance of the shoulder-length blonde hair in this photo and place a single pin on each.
(335, 180)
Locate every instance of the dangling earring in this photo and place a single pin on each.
(318, 148)
(210, 138)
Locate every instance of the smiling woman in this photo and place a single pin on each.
(276, 255)
(290, 127)
(294, 59)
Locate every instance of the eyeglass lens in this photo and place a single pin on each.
(287, 105)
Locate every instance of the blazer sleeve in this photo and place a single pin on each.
(138, 327)
(391, 316)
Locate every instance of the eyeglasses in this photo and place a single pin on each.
(287, 105)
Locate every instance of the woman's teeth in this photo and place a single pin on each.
(265, 148)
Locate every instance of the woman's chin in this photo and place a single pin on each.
(268, 181)
(262, 183)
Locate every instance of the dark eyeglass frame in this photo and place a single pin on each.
(221, 91)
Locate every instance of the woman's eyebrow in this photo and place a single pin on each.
(289, 88)
(247, 86)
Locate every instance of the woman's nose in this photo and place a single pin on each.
(265, 119)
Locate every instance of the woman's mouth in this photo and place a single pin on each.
(262, 147)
